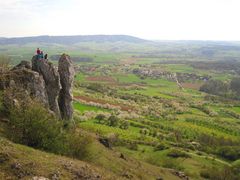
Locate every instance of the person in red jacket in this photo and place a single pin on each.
(38, 51)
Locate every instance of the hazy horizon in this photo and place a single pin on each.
(124, 35)
(214, 20)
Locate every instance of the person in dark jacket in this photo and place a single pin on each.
(45, 56)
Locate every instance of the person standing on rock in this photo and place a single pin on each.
(45, 56)
(38, 51)
(41, 55)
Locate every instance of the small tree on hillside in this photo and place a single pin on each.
(113, 120)
(100, 118)
(124, 124)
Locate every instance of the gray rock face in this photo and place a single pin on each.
(66, 72)
(51, 79)
(41, 81)
(23, 64)
(24, 78)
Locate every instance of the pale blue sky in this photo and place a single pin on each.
(151, 19)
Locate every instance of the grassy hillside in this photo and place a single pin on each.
(21, 162)
(18, 161)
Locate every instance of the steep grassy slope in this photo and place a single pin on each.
(18, 161)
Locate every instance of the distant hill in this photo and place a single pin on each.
(71, 39)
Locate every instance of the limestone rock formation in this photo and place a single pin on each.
(23, 78)
(22, 65)
(40, 80)
(52, 81)
(66, 72)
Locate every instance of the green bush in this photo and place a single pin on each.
(34, 126)
(160, 147)
(175, 153)
(113, 121)
(229, 152)
(78, 145)
(100, 118)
